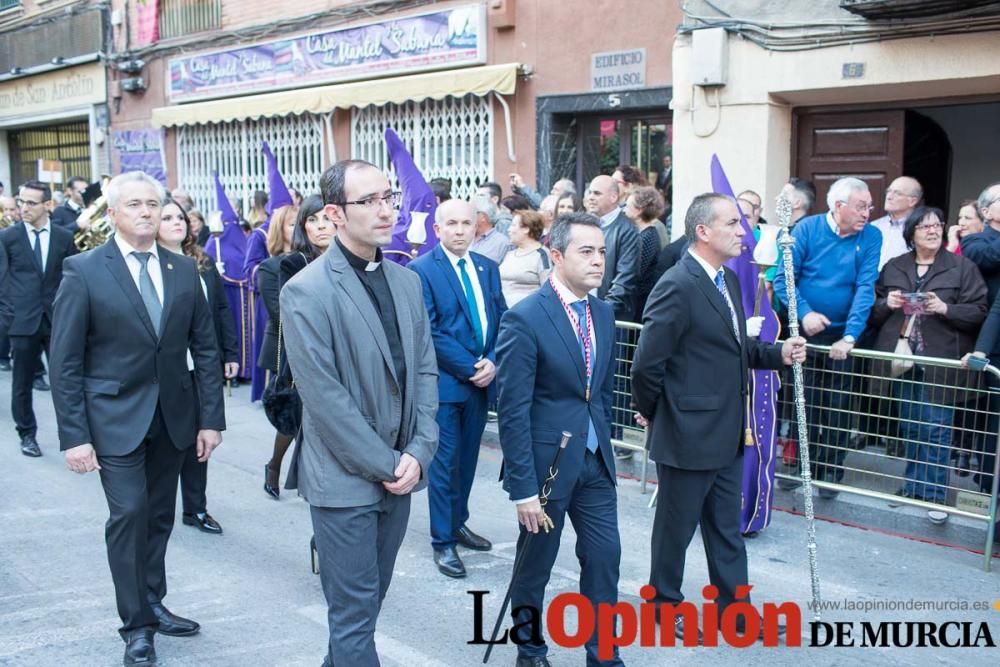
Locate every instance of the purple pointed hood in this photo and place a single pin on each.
(222, 201)
(417, 197)
(277, 192)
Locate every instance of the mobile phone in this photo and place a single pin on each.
(978, 363)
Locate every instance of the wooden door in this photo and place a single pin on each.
(864, 144)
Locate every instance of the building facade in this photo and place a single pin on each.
(478, 90)
(832, 88)
(53, 91)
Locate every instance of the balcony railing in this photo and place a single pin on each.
(9, 4)
(184, 17)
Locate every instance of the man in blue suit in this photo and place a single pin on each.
(464, 303)
(556, 373)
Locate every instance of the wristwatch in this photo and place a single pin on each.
(848, 339)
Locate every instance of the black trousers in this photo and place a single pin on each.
(194, 480)
(4, 346)
(194, 475)
(687, 498)
(26, 354)
(141, 490)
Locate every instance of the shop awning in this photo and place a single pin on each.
(322, 99)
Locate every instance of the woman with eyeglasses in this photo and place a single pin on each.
(176, 236)
(935, 301)
(301, 243)
(970, 221)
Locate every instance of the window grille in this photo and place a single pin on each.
(233, 149)
(451, 138)
(184, 17)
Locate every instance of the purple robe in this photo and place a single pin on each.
(759, 456)
(256, 253)
(231, 245)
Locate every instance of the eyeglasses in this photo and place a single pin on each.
(927, 226)
(27, 202)
(860, 207)
(392, 200)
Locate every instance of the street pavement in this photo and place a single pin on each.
(258, 603)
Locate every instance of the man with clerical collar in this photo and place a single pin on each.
(359, 344)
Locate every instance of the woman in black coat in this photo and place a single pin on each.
(175, 235)
(308, 238)
(937, 300)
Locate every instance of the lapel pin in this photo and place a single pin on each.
(170, 267)
(480, 268)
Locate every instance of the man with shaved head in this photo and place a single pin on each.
(622, 240)
(464, 300)
(903, 195)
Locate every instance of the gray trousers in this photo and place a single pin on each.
(357, 551)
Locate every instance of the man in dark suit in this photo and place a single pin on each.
(34, 251)
(360, 348)
(464, 304)
(555, 373)
(622, 241)
(689, 378)
(65, 216)
(125, 317)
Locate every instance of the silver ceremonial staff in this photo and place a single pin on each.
(784, 211)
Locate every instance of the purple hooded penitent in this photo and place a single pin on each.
(277, 196)
(758, 458)
(229, 252)
(417, 197)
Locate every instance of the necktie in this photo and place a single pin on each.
(720, 282)
(470, 298)
(148, 291)
(38, 249)
(580, 308)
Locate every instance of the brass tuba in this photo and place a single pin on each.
(97, 225)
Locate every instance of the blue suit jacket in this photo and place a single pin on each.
(541, 378)
(451, 320)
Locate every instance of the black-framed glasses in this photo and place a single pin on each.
(27, 202)
(392, 200)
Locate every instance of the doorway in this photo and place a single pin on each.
(68, 143)
(604, 142)
(877, 147)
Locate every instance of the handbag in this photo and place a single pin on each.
(281, 401)
(901, 366)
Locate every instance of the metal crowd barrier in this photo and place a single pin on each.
(625, 433)
(868, 429)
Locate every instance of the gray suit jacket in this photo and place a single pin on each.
(342, 365)
(620, 278)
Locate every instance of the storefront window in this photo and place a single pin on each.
(451, 138)
(234, 150)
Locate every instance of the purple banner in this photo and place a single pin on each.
(443, 39)
(139, 150)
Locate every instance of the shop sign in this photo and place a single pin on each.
(618, 70)
(79, 86)
(141, 150)
(438, 40)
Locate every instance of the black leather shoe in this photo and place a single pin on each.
(533, 661)
(470, 540)
(679, 630)
(29, 446)
(5, 366)
(139, 649)
(828, 494)
(740, 628)
(171, 624)
(204, 521)
(448, 562)
(272, 486)
(39, 383)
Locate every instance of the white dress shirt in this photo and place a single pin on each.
(43, 238)
(473, 272)
(893, 244)
(134, 266)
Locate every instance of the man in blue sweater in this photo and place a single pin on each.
(836, 257)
